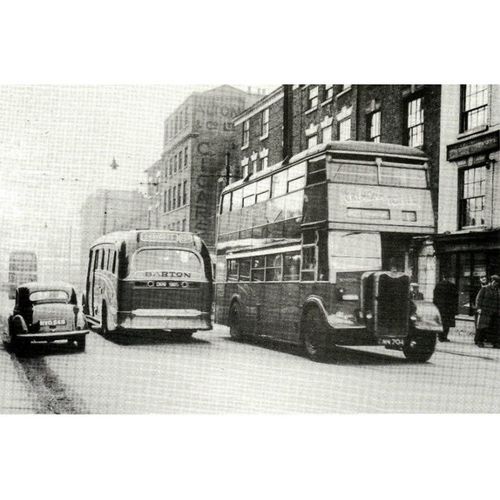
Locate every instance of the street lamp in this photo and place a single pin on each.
(114, 166)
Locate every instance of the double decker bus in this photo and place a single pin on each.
(23, 268)
(316, 252)
(144, 280)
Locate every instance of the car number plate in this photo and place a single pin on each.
(52, 322)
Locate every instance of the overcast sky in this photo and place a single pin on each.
(56, 146)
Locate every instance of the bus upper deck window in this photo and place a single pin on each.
(226, 203)
(279, 184)
(237, 199)
(316, 171)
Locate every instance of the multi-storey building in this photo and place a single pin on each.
(468, 243)
(294, 118)
(183, 186)
(109, 210)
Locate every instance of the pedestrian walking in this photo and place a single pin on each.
(446, 300)
(488, 313)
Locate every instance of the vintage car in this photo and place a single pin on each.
(45, 312)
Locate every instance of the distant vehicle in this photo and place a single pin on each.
(316, 251)
(149, 280)
(45, 313)
(22, 269)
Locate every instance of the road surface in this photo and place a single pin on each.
(212, 374)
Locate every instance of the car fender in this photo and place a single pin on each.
(17, 325)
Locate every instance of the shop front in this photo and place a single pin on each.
(465, 257)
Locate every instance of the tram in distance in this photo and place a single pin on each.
(316, 252)
(146, 280)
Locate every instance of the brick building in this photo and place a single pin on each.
(468, 240)
(294, 118)
(183, 186)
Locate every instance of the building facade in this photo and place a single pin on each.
(294, 118)
(183, 186)
(106, 211)
(468, 240)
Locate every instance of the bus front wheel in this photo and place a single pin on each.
(419, 349)
(314, 335)
(235, 330)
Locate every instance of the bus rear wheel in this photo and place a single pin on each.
(419, 349)
(314, 335)
(235, 330)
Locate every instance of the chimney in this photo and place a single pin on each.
(287, 122)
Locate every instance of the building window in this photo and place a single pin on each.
(185, 157)
(184, 193)
(183, 224)
(169, 199)
(415, 122)
(244, 168)
(474, 106)
(179, 195)
(312, 99)
(327, 134)
(264, 162)
(255, 166)
(473, 188)
(374, 126)
(164, 201)
(328, 92)
(174, 198)
(245, 138)
(175, 163)
(345, 129)
(312, 140)
(264, 123)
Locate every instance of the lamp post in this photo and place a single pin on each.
(114, 166)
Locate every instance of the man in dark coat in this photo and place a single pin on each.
(446, 300)
(488, 313)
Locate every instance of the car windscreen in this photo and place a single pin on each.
(166, 259)
(47, 296)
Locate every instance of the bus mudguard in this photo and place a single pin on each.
(425, 317)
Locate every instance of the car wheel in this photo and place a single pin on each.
(235, 330)
(314, 335)
(419, 349)
(81, 343)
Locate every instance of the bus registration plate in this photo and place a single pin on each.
(167, 284)
(391, 342)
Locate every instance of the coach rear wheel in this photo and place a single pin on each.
(235, 322)
(314, 335)
(104, 320)
(419, 349)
